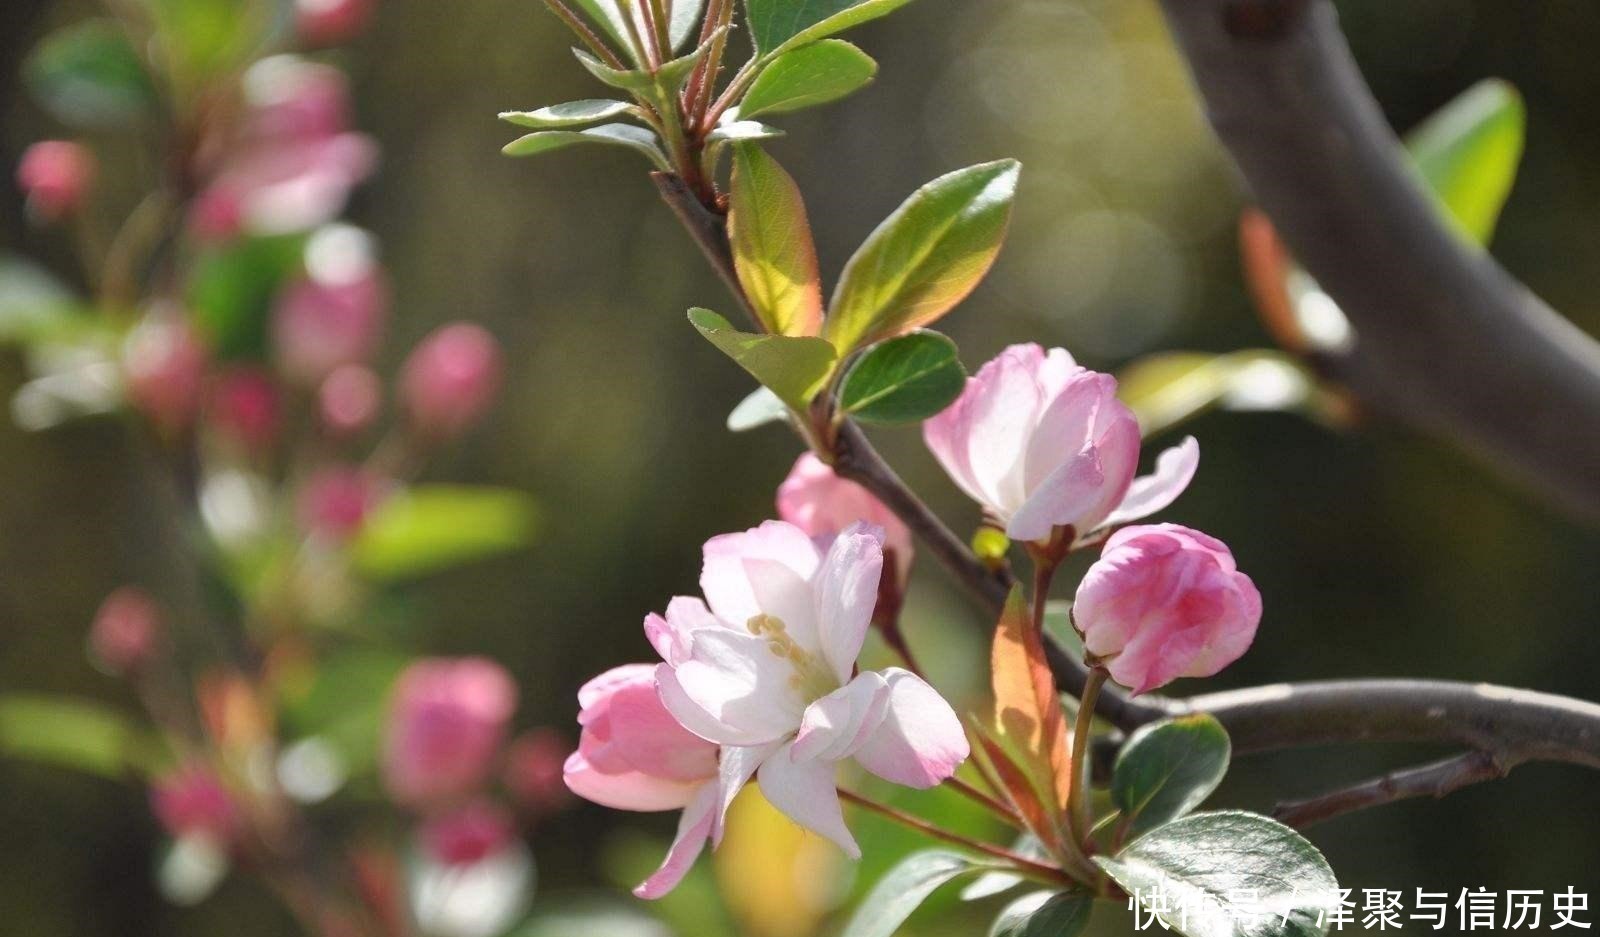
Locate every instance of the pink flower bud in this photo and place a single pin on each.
(335, 315)
(192, 801)
(334, 501)
(822, 504)
(349, 400)
(1164, 602)
(450, 379)
(533, 771)
(1043, 444)
(163, 364)
(55, 175)
(216, 214)
(125, 631)
(467, 835)
(633, 754)
(331, 22)
(292, 99)
(245, 408)
(447, 721)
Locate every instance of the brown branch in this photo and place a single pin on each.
(1434, 780)
(1447, 340)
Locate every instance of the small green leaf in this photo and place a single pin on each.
(758, 409)
(808, 76)
(906, 886)
(569, 114)
(89, 75)
(773, 253)
(657, 87)
(904, 380)
(735, 131)
(32, 301)
(232, 289)
(1228, 874)
(634, 138)
(1468, 152)
(73, 733)
(683, 20)
(1044, 914)
(608, 15)
(793, 367)
(434, 527)
(1167, 769)
(990, 884)
(344, 702)
(776, 26)
(1168, 389)
(925, 257)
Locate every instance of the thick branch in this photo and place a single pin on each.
(1434, 780)
(1446, 339)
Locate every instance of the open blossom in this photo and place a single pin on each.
(764, 668)
(1042, 443)
(1163, 602)
(633, 755)
(822, 504)
(447, 720)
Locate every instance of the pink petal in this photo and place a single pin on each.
(653, 741)
(1003, 417)
(693, 829)
(670, 634)
(1174, 470)
(846, 591)
(629, 790)
(1066, 425)
(805, 792)
(724, 578)
(593, 696)
(920, 742)
(1061, 499)
(835, 726)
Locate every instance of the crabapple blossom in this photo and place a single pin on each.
(335, 314)
(244, 406)
(819, 502)
(349, 400)
(633, 755)
(1042, 443)
(447, 721)
(335, 500)
(192, 801)
(765, 667)
(331, 22)
(1163, 602)
(125, 630)
(163, 366)
(467, 834)
(55, 175)
(449, 379)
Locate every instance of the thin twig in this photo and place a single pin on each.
(1038, 870)
(1078, 799)
(1431, 780)
(1005, 813)
(577, 25)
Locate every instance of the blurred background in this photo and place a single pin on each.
(1379, 553)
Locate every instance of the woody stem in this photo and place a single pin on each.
(1023, 865)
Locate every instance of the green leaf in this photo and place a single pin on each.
(1168, 389)
(344, 702)
(1206, 864)
(89, 75)
(1468, 152)
(202, 39)
(808, 76)
(232, 289)
(758, 409)
(1167, 769)
(735, 131)
(906, 886)
(434, 527)
(990, 884)
(634, 138)
(657, 87)
(904, 380)
(925, 257)
(776, 26)
(773, 253)
(683, 20)
(1044, 914)
(608, 15)
(78, 734)
(569, 114)
(793, 367)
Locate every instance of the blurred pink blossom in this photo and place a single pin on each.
(335, 314)
(125, 631)
(335, 500)
(192, 801)
(349, 400)
(447, 721)
(331, 22)
(1042, 443)
(822, 504)
(1163, 602)
(163, 364)
(55, 175)
(533, 771)
(468, 834)
(450, 379)
(245, 407)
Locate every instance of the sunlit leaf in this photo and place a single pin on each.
(773, 252)
(653, 87)
(990, 884)
(808, 76)
(434, 527)
(568, 114)
(1027, 708)
(905, 887)
(777, 26)
(89, 75)
(635, 138)
(1228, 874)
(232, 288)
(1468, 152)
(793, 367)
(77, 734)
(758, 409)
(903, 380)
(1167, 769)
(1044, 914)
(1167, 389)
(683, 20)
(734, 131)
(925, 257)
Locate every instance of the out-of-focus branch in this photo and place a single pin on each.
(1434, 780)
(1446, 339)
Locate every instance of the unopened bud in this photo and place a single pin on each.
(55, 175)
(334, 315)
(334, 501)
(533, 771)
(125, 631)
(331, 22)
(349, 400)
(450, 379)
(245, 407)
(192, 801)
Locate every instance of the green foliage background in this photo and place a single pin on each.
(1378, 553)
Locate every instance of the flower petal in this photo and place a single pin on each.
(1061, 498)
(846, 589)
(835, 726)
(1003, 417)
(670, 634)
(805, 792)
(740, 683)
(723, 577)
(1065, 427)
(782, 593)
(628, 790)
(738, 764)
(653, 741)
(1174, 470)
(920, 741)
(694, 827)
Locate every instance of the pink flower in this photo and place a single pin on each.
(163, 366)
(245, 407)
(447, 721)
(1042, 443)
(349, 400)
(764, 667)
(633, 755)
(450, 379)
(192, 801)
(55, 175)
(331, 22)
(822, 504)
(335, 501)
(125, 630)
(467, 835)
(1164, 602)
(335, 315)
(534, 772)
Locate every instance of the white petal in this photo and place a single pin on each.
(835, 726)
(693, 829)
(1064, 428)
(1002, 420)
(805, 792)
(781, 592)
(920, 741)
(1174, 470)
(737, 680)
(1060, 498)
(846, 590)
(724, 580)
(737, 765)
(670, 634)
